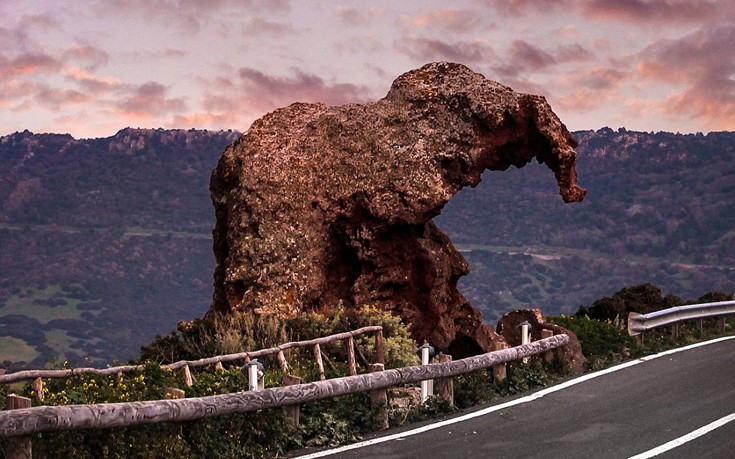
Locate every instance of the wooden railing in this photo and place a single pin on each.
(26, 421)
(186, 365)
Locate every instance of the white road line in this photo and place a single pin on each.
(518, 401)
(685, 438)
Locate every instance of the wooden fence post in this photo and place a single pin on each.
(18, 447)
(319, 362)
(445, 386)
(292, 412)
(500, 371)
(379, 346)
(548, 355)
(282, 362)
(379, 400)
(351, 355)
(188, 380)
(329, 362)
(38, 388)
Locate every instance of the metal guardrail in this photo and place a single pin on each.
(639, 323)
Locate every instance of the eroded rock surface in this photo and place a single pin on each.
(509, 327)
(318, 205)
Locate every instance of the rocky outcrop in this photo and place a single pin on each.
(509, 327)
(321, 205)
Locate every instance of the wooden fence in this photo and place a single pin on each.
(186, 365)
(27, 421)
(20, 421)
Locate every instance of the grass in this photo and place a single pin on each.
(22, 304)
(16, 350)
(62, 343)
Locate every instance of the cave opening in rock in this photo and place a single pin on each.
(494, 238)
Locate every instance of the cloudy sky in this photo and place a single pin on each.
(92, 67)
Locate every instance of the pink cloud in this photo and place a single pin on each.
(523, 56)
(520, 7)
(91, 57)
(239, 100)
(191, 15)
(360, 44)
(207, 120)
(456, 21)
(89, 82)
(27, 63)
(275, 91)
(703, 64)
(260, 26)
(57, 98)
(358, 16)
(645, 11)
(13, 94)
(149, 99)
(600, 78)
(587, 90)
(427, 50)
(530, 56)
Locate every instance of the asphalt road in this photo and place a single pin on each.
(615, 414)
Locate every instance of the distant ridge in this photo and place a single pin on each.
(106, 242)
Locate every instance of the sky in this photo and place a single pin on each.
(93, 67)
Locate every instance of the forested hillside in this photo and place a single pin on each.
(106, 242)
(103, 242)
(660, 208)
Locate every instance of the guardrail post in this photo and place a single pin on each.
(723, 320)
(426, 351)
(525, 336)
(18, 447)
(292, 412)
(255, 372)
(445, 386)
(675, 330)
(379, 400)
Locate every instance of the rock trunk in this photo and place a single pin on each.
(319, 205)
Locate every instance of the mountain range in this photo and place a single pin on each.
(106, 242)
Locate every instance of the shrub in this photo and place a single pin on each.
(217, 334)
(400, 349)
(263, 433)
(643, 298)
(603, 342)
(479, 387)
